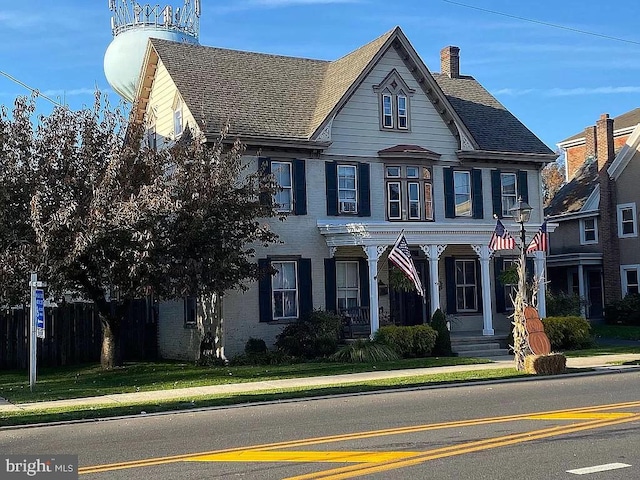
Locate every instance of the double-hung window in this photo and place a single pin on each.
(627, 220)
(387, 110)
(347, 189)
(403, 114)
(466, 286)
(284, 288)
(283, 198)
(177, 118)
(409, 193)
(347, 284)
(462, 189)
(509, 265)
(508, 193)
(588, 231)
(630, 279)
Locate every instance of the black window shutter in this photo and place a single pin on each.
(300, 188)
(479, 285)
(306, 292)
(450, 279)
(364, 199)
(496, 193)
(523, 185)
(330, 292)
(476, 191)
(331, 174)
(498, 267)
(449, 194)
(264, 167)
(264, 292)
(363, 268)
(530, 268)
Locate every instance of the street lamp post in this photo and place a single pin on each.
(521, 214)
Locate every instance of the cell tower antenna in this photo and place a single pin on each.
(130, 14)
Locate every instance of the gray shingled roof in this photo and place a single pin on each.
(626, 120)
(493, 127)
(289, 98)
(572, 197)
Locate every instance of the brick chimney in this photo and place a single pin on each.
(450, 61)
(608, 225)
(575, 157)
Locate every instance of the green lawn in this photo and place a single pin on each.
(616, 331)
(90, 380)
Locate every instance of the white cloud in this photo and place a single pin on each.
(513, 92)
(566, 92)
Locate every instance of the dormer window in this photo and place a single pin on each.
(394, 102)
(178, 127)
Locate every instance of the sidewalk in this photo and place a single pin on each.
(601, 364)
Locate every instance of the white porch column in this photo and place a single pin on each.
(484, 253)
(581, 290)
(539, 264)
(373, 254)
(433, 253)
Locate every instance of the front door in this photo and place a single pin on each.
(594, 294)
(407, 307)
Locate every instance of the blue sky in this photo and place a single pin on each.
(556, 81)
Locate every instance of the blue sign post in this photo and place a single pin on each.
(39, 300)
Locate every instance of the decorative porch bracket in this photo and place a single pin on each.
(484, 253)
(433, 253)
(374, 252)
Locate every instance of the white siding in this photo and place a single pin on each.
(356, 128)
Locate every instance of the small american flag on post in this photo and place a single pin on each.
(539, 242)
(501, 239)
(401, 258)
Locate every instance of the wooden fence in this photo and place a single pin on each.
(73, 335)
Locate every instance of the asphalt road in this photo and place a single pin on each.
(533, 430)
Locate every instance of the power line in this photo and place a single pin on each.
(32, 90)
(547, 24)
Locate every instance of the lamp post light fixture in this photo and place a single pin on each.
(521, 214)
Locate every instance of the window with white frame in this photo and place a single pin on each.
(347, 189)
(177, 118)
(630, 279)
(347, 284)
(409, 193)
(394, 102)
(190, 312)
(627, 220)
(508, 193)
(151, 134)
(588, 231)
(466, 286)
(283, 198)
(284, 287)
(462, 189)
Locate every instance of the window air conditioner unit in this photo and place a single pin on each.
(348, 207)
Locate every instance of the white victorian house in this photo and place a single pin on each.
(364, 147)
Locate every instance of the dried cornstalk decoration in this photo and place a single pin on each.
(525, 295)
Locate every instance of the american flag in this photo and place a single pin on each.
(501, 239)
(401, 258)
(539, 242)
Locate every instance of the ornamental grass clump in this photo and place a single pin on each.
(365, 351)
(552, 364)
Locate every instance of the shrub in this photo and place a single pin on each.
(314, 335)
(365, 351)
(562, 304)
(623, 312)
(255, 346)
(568, 333)
(552, 364)
(409, 342)
(442, 346)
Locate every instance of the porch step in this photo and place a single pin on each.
(479, 345)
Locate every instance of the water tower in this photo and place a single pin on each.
(132, 24)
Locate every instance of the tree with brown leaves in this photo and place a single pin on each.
(90, 207)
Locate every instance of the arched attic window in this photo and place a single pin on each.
(151, 135)
(394, 102)
(178, 120)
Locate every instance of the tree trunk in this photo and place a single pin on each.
(111, 353)
(211, 321)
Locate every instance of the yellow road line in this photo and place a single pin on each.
(346, 437)
(579, 416)
(356, 471)
(309, 456)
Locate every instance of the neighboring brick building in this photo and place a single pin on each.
(595, 250)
